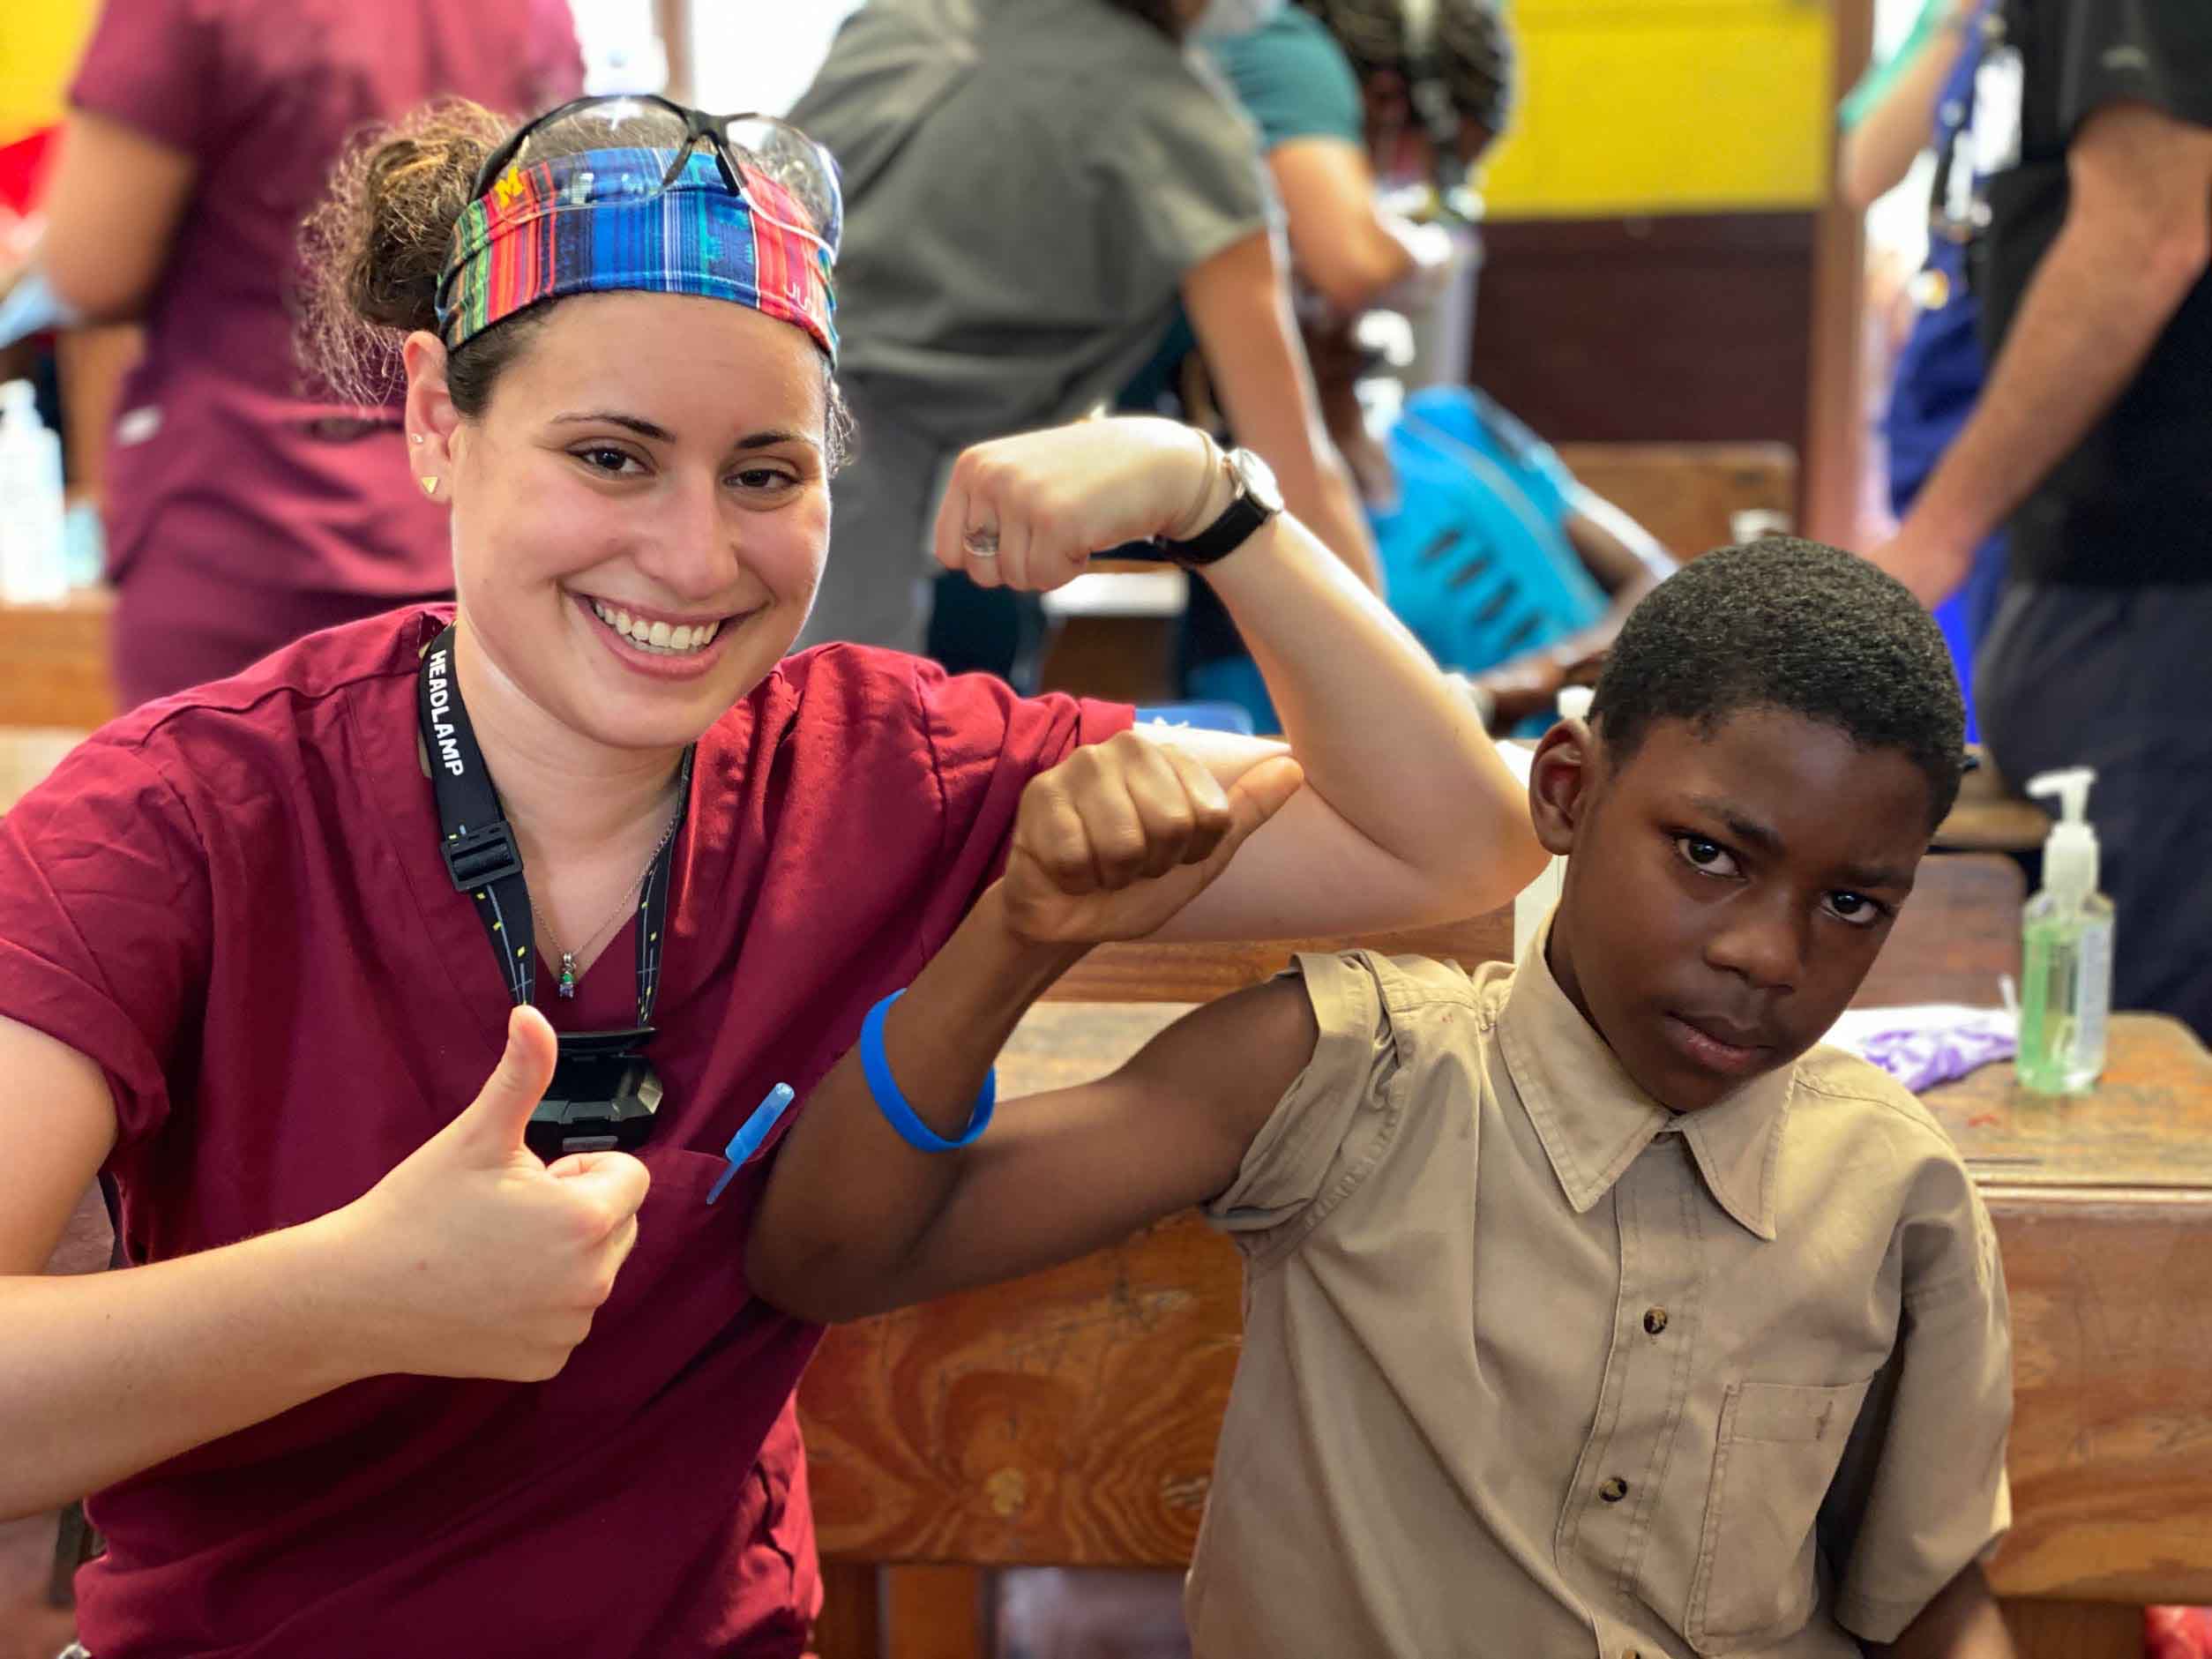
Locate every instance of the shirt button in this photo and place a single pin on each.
(1614, 1490)
(1654, 1321)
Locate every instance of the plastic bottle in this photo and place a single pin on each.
(31, 567)
(2066, 950)
(1533, 902)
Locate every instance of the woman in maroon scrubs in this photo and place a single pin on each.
(245, 505)
(381, 1379)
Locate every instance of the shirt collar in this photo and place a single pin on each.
(1594, 1120)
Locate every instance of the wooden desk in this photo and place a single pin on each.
(57, 662)
(1991, 816)
(1071, 1418)
(1688, 495)
(27, 754)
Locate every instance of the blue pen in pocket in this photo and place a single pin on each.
(747, 1140)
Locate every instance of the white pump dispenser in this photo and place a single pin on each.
(31, 567)
(2069, 854)
(2065, 949)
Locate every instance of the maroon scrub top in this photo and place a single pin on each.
(233, 901)
(243, 507)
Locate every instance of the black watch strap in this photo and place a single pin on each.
(1237, 526)
(1248, 509)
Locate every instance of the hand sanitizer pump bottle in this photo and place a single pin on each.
(2065, 949)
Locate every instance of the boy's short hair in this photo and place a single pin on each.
(1790, 624)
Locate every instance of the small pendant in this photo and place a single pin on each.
(568, 975)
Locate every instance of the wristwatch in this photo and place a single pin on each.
(1258, 499)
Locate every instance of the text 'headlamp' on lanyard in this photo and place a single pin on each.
(604, 1093)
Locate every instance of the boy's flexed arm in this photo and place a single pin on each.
(1109, 845)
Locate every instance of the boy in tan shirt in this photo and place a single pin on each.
(1590, 1308)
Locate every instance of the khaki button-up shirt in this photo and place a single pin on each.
(1534, 1366)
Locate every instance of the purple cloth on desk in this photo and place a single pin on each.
(1928, 1044)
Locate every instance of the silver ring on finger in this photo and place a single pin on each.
(983, 544)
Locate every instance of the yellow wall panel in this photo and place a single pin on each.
(38, 44)
(1666, 107)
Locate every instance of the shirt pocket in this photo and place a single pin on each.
(1778, 1450)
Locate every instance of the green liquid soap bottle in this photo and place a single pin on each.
(2066, 950)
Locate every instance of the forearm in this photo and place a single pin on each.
(1353, 265)
(1318, 488)
(1561, 658)
(1625, 560)
(102, 1375)
(2091, 317)
(1239, 304)
(851, 1199)
(1387, 743)
(1878, 152)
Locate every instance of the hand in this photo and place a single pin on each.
(1932, 569)
(1028, 511)
(476, 1258)
(1122, 835)
(1519, 690)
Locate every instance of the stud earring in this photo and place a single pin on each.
(430, 486)
(415, 437)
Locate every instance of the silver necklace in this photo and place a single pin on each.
(569, 969)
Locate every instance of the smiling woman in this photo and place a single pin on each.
(384, 1362)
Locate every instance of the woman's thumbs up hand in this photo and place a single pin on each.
(473, 1258)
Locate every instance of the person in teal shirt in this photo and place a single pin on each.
(1505, 567)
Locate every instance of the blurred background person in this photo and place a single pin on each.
(1505, 567)
(2092, 442)
(1031, 187)
(1921, 100)
(245, 505)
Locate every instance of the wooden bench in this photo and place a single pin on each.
(1688, 495)
(1069, 1419)
(57, 662)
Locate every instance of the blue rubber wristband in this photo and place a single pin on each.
(877, 1068)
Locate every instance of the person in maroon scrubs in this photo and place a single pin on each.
(378, 1377)
(246, 503)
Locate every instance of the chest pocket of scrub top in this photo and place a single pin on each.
(1778, 1448)
(678, 1293)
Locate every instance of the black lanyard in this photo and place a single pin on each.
(481, 855)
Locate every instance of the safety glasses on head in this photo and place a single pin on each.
(772, 148)
(607, 195)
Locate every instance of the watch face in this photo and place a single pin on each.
(1258, 479)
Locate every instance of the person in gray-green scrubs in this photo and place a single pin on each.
(1030, 188)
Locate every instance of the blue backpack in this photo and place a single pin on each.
(1474, 550)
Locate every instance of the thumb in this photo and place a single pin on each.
(618, 1178)
(493, 1123)
(1263, 790)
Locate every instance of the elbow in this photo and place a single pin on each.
(1354, 271)
(2177, 258)
(780, 1271)
(1473, 874)
(91, 292)
(803, 1296)
(1855, 182)
(1521, 857)
(813, 1282)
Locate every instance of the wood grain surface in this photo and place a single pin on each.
(27, 754)
(57, 662)
(1688, 495)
